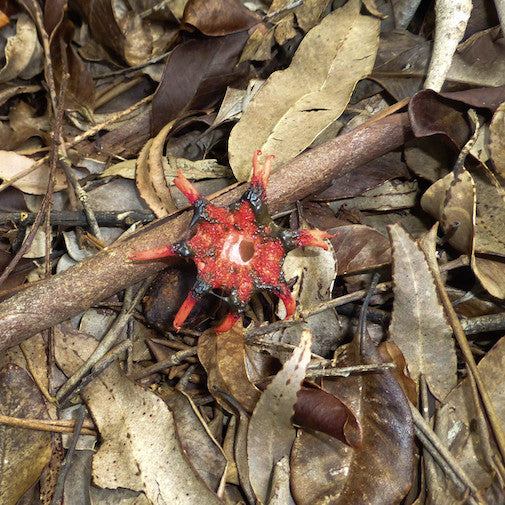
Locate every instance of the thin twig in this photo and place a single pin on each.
(65, 468)
(175, 359)
(345, 371)
(106, 343)
(444, 458)
(57, 426)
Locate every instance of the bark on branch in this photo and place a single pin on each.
(65, 295)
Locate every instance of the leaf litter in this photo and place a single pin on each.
(126, 94)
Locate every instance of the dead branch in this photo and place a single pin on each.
(67, 294)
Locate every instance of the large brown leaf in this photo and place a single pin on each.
(223, 357)
(196, 75)
(326, 471)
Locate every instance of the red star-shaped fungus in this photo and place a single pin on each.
(237, 249)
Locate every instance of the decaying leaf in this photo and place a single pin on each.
(203, 451)
(23, 453)
(358, 248)
(324, 470)
(35, 183)
(456, 423)
(23, 52)
(497, 140)
(452, 201)
(145, 184)
(223, 357)
(219, 17)
(418, 324)
(196, 75)
(314, 271)
(312, 92)
(271, 434)
(140, 449)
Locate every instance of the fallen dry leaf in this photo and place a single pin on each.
(324, 470)
(219, 17)
(196, 75)
(202, 449)
(313, 91)
(359, 248)
(23, 453)
(223, 357)
(452, 17)
(314, 271)
(35, 183)
(452, 201)
(140, 449)
(456, 421)
(271, 434)
(23, 52)
(418, 323)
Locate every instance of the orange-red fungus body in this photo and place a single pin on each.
(238, 250)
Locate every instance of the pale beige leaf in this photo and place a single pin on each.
(271, 434)
(35, 183)
(280, 493)
(451, 19)
(296, 104)
(23, 53)
(418, 323)
(314, 270)
(140, 449)
(456, 425)
(497, 139)
(490, 215)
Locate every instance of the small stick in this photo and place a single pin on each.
(57, 426)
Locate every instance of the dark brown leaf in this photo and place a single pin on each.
(368, 176)
(319, 410)
(195, 77)
(358, 248)
(79, 91)
(219, 17)
(324, 470)
(431, 114)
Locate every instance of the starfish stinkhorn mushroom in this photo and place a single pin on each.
(237, 249)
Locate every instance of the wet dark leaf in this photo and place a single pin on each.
(195, 77)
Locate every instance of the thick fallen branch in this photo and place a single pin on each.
(65, 295)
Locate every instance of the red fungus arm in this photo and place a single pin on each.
(185, 309)
(261, 172)
(227, 323)
(289, 302)
(313, 237)
(187, 188)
